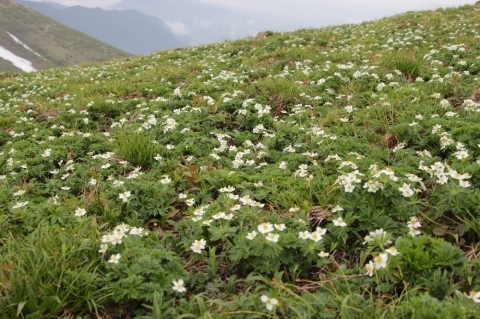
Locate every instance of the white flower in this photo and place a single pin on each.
(367, 239)
(20, 192)
(442, 179)
(337, 209)
(304, 234)
(381, 261)
(321, 231)
(198, 245)
(280, 227)
(315, 236)
(265, 228)
(414, 232)
(233, 196)
(235, 207)
(80, 212)
(339, 222)
(106, 238)
(392, 251)
(124, 196)
(166, 179)
(199, 211)
(178, 285)
(474, 295)
(272, 237)
(461, 154)
(114, 258)
(116, 238)
(122, 228)
(47, 152)
(227, 189)
(137, 231)
(463, 183)
(406, 190)
(370, 267)
(103, 248)
(270, 302)
(251, 235)
(349, 188)
(414, 223)
(380, 236)
(190, 201)
(219, 215)
(373, 186)
(20, 204)
(117, 183)
(323, 254)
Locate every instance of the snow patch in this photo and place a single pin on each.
(17, 61)
(25, 46)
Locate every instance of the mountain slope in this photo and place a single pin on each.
(322, 173)
(207, 23)
(50, 44)
(130, 30)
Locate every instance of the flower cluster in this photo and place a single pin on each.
(413, 226)
(316, 236)
(380, 238)
(116, 237)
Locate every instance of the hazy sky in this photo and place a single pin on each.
(312, 11)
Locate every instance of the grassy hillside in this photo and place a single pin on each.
(330, 173)
(57, 44)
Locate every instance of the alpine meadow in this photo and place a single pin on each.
(321, 173)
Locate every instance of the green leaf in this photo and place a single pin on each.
(439, 231)
(20, 307)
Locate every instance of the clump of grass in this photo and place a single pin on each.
(409, 65)
(50, 272)
(136, 147)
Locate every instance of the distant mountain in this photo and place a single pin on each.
(129, 30)
(207, 23)
(54, 4)
(28, 38)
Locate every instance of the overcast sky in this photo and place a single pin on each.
(310, 11)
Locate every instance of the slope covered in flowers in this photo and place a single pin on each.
(314, 174)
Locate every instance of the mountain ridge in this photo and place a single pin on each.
(51, 43)
(129, 30)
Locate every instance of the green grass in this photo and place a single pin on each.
(322, 173)
(62, 263)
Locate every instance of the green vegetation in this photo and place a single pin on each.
(57, 44)
(330, 173)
